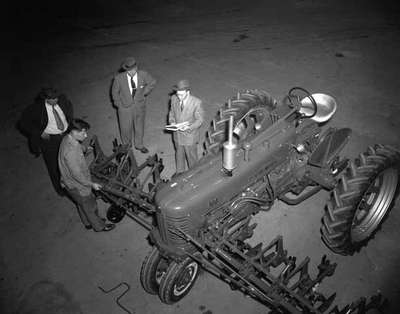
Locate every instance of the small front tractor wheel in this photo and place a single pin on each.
(361, 200)
(178, 280)
(115, 213)
(153, 269)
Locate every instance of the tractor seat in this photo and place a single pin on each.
(326, 107)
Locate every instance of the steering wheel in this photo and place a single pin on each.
(291, 95)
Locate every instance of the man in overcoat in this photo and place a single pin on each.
(45, 122)
(129, 92)
(186, 108)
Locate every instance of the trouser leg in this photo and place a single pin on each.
(50, 149)
(83, 216)
(180, 158)
(92, 212)
(88, 210)
(191, 154)
(139, 116)
(125, 118)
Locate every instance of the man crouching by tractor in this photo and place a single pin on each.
(185, 118)
(75, 176)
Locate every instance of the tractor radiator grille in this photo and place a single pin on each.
(174, 225)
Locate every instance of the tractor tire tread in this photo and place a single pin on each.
(342, 206)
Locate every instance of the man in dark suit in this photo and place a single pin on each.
(45, 122)
(129, 91)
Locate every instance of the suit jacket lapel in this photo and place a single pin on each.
(186, 109)
(44, 119)
(189, 103)
(140, 81)
(124, 78)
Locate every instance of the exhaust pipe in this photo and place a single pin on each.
(229, 151)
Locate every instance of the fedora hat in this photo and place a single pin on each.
(49, 93)
(128, 64)
(182, 85)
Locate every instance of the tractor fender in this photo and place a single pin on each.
(331, 143)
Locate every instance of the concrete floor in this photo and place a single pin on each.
(349, 49)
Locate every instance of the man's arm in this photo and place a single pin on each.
(67, 107)
(115, 92)
(171, 115)
(28, 124)
(76, 163)
(198, 117)
(150, 83)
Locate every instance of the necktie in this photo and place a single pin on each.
(133, 87)
(60, 124)
(181, 104)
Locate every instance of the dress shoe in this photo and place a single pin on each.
(88, 227)
(144, 150)
(108, 227)
(175, 175)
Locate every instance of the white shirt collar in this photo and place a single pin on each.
(129, 76)
(185, 100)
(48, 105)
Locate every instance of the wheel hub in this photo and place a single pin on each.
(374, 204)
(161, 270)
(186, 279)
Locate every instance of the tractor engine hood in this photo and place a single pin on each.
(195, 190)
(207, 186)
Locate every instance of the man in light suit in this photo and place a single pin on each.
(129, 91)
(186, 108)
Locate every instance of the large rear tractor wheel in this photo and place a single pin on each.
(178, 280)
(365, 193)
(153, 269)
(217, 133)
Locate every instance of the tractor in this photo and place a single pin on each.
(256, 151)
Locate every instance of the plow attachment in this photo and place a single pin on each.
(127, 186)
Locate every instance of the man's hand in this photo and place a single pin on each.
(186, 128)
(45, 136)
(88, 150)
(96, 186)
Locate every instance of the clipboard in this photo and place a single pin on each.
(177, 126)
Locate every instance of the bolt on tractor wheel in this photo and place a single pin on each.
(178, 280)
(153, 269)
(362, 199)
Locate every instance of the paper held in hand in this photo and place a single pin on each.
(177, 127)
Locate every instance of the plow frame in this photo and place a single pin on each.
(125, 184)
